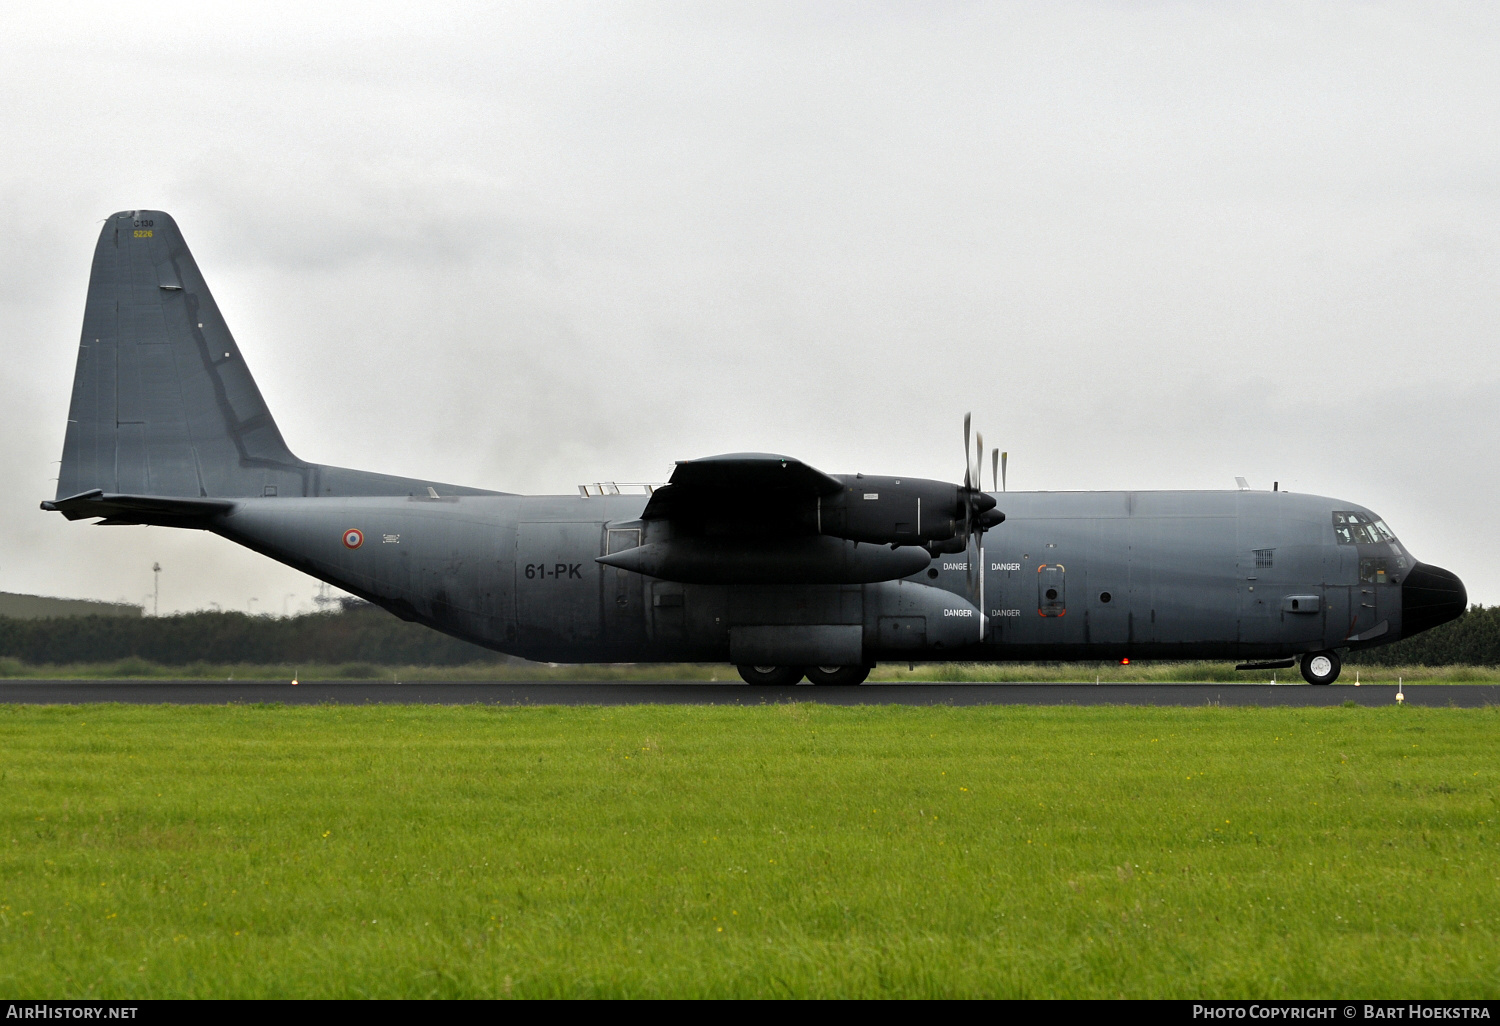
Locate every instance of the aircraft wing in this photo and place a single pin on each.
(721, 486)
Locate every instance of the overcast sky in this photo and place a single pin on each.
(525, 246)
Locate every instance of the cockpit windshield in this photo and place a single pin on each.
(1355, 528)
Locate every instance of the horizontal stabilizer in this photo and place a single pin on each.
(162, 510)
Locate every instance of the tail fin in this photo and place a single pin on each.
(163, 403)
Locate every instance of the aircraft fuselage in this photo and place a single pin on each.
(1069, 575)
(754, 558)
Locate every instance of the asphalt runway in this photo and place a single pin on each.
(370, 692)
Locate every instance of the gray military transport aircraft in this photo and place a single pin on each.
(759, 559)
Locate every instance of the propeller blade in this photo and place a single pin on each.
(979, 460)
(967, 418)
(995, 469)
(969, 564)
(1004, 456)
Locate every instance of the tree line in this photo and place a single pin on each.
(370, 635)
(363, 634)
(1473, 639)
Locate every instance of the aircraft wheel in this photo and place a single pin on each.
(776, 676)
(838, 674)
(1321, 667)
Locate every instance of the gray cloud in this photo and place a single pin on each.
(529, 246)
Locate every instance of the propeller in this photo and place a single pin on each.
(977, 509)
(974, 505)
(973, 510)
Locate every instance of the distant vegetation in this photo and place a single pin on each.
(361, 634)
(1473, 639)
(38, 607)
(364, 642)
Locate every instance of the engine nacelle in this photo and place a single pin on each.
(899, 510)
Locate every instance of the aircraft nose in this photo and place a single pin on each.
(1430, 595)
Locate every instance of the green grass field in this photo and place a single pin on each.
(777, 850)
(1139, 672)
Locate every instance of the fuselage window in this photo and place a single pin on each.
(1354, 528)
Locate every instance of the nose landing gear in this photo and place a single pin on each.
(1321, 667)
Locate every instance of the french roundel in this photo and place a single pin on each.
(353, 538)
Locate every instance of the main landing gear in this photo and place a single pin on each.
(837, 674)
(1321, 667)
(775, 676)
(782, 676)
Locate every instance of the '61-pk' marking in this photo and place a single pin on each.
(535, 571)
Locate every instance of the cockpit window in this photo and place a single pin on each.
(1354, 528)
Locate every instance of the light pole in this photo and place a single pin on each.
(156, 593)
(250, 606)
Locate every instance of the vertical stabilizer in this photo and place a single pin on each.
(163, 403)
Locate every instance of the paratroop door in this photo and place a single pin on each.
(624, 607)
(1051, 589)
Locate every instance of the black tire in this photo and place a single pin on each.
(1321, 667)
(774, 676)
(838, 674)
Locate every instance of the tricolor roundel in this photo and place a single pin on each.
(353, 538)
